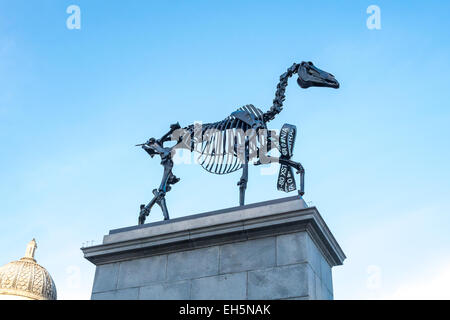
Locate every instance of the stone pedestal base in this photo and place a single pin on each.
(278, 249)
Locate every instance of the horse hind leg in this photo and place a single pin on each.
(243, 184)
(145, 209)
(159, 194)
(244, 178)
(162, 203)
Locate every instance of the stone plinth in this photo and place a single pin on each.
(278, 249)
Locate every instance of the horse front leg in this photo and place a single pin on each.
(145, 209)
(159, 194)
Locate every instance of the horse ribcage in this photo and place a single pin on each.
(222, 145)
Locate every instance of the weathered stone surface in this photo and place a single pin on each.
(299, 247)
(298, 298)
(292, 248)
(139, 272)
(193, 264)
(124, 294)
(319, 294)
(312, 284)
(231, 286)
(166, 291)
(247, 255)
(274, 250)
(106, 277)
(280, 282)
(108, 295)
(314, 256)
(325, 274)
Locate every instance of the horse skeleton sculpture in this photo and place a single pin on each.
(229, 145)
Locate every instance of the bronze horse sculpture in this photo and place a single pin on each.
(229, 145)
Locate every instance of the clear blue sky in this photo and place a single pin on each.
(73, 103)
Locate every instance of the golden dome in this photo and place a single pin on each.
(27, 279)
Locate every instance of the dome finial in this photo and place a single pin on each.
(31, 248)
